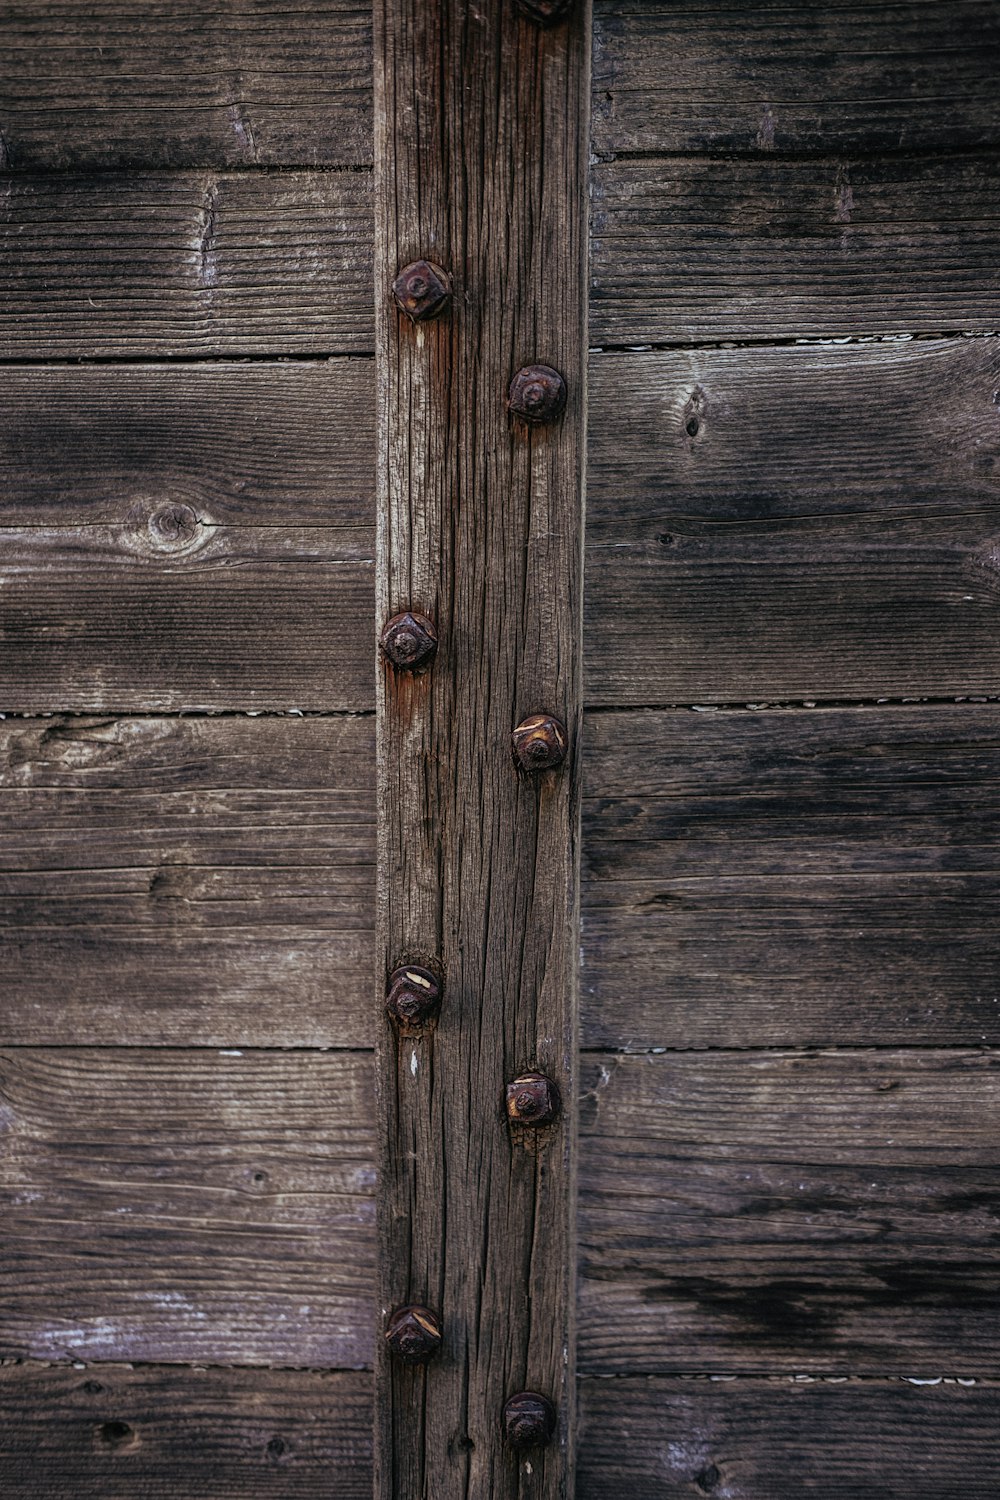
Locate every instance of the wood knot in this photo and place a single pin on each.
(165, 526)
(117, 1437)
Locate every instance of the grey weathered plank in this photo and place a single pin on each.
(657, 1439)
(756, 530)
(796, 1212)
(185, 263)
(180, 881)
(113, 1432)
(269, 443)
(819, 877)
(689, 250)
(915, 76)
(188, 1207)
(481, 527)
(121, 83)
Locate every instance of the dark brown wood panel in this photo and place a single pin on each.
(187, 881)
(690, 250)
(764, 525)
(274, 443)
(792, 878)
(233, 83)
(828, 1212)
(185, 264)
(188, 1207)
(659, 1439)
(911, 76)
(115, 1432)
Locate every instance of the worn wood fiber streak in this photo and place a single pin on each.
(221, 870)
(691, 250)
(481, 146)
(912, 76)
(797, 1212)
(791, 878)
(188, 1207)
(235, 83)
(135, 264)
(114, 1432)
(659, 1439)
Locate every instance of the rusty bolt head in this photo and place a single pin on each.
(413, 995)
(532, 1099)
(540, 743)
(529, 1420)
(537, 394)
(422, 291)
(409, 641)
(413, 1333)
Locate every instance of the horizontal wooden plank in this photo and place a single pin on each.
(820, 877)
(234, 83)
(269, 443)
(179, 881)
(757, 531)
(917, 75)
(655, 1439)
(790, 1212)
(188, 1207)
(185, 263)
(113, 1432)
(689, 250)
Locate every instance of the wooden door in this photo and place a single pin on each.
(774, 1171)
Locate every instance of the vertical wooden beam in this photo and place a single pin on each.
(481, 167)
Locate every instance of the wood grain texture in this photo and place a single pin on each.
(113, 1432)
(115, 265)
(794, 523)
(234, 83)
(187, 881)
(812, 76)
(187, 1207)
(482, 162)
(690, 250)
(829, 1213)
(659, 1439)
(820, 877)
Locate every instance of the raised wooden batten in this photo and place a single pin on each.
(481, 179)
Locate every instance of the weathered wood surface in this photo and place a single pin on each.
(114, 1432)
(116, 265)
(187, 881)
(797, 1212)
(275, 443)
(819, 877)
(190, 1207)
(691, 250)
(233, 83)
(657, 1439)
(482, 163)
(913, 76)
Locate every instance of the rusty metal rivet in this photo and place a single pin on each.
(413, 994)
(413, 1333)
(540, 743)
(545, 12)
(537, 394)
(422, 290)
(409, 641)
(532, 1099)
(529, 1420)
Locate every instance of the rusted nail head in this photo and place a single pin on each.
(532, 1099)
(422, 290)
(545, 12)
(409, 641)
(537, 394)
(529, 1420)
(413, 994)
(413, 1333)
(540, 742)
